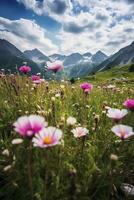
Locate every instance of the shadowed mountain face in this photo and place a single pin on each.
(56, 56)
(37, 56)
(122, 57)
(99, 57)
(72, 59)
(10, 57)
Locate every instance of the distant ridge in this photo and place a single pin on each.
(122, 57)
(10, 56)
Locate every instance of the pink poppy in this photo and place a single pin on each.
(87, 87)
(55, 66)
(25, 69)
(29, 125)
(36, 79)
(129, 104)
(47, 137)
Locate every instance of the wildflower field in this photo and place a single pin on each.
(63, 141)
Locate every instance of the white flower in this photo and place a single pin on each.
(62, 86)
(17, 141)
(123, 131)
(47, 137)
(80, 132)
(52, 99)
(111, 86)
(71, 121)
(57, 95)
(114, 157)
(8, 167)
(116, 114)
(5, 152)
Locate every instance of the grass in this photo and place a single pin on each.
(73, 170)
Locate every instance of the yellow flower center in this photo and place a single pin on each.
(47, 140)
(122, 133)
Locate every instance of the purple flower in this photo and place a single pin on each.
(87, 87)
(36, 79)
(29, 125)
(25, 69)
(55, 66)
(129, 104)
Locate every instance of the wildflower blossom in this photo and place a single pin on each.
(5, 152)
(71, 120)
(7, 168)
(25, 69)
(129, 104)
(29, 125)
(80, 132)
(55, 66)
(36, 79)
(111, 86)
(47, 137)
(116, 114)
(17, 141)
(114, 157)
(123, 131)
(87, 87)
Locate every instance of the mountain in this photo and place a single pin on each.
(88, 54)
(10, 56)
(99, 57)
(122, 57)
(37, 56)
(72, 59)
(56, 56)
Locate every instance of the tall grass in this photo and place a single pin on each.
(76, 169)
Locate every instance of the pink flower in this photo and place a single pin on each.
(29, 125)
(80, 132)
(129, 104)
(87, 87)
(36, 79)
(47, 137)
(123, 131)
(116, 114)
(55, 66)
(25, 69)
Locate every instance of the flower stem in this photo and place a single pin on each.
(30, 170)
(46, 171)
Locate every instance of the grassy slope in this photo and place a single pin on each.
(115, 72)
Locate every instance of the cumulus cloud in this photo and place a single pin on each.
(58, 7)
(86, 25)
(44, 7)
(26, 34)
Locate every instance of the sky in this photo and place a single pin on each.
(67, 26)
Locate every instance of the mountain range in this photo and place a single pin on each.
(75, 64)
(122, 57)
(10, 57)
(70, 60)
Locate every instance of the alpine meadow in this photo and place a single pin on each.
(66, 100)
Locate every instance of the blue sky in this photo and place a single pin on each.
(67, 26)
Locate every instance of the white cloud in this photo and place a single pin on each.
(26, 34)
(104, 25)
(105, 38)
